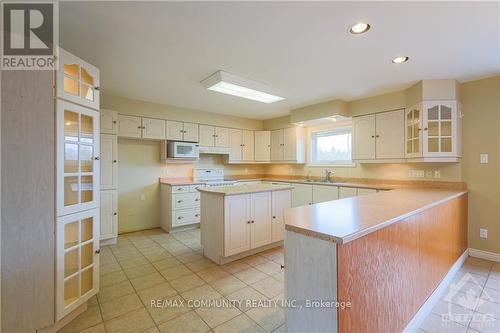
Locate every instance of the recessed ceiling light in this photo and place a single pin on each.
(399, 60)
(359, 28)
(231, 84)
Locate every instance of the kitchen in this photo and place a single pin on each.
(201, 182)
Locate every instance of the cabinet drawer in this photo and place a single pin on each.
(194, 188)
(186, 200)
(186, 216)
(180, 189)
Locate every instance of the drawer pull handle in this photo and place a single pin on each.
(197, 199)
(180, 218)
(114, 161)
(197, 215)
(274, 217)
(248, 222)
(97, 251)
(282, 266)
(115, 213)
(179, 201)
(114, 121)
(97, 158)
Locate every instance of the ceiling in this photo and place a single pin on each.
(160, 51)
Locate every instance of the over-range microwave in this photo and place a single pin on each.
(176, 149)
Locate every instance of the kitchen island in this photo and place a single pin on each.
(238, 221)
(380, 256)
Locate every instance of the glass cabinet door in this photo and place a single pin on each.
(77, 81)
(413, 131)
(440, 134)
(77, 260)
(77, 158)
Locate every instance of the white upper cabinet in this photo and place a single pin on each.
(288, 145)
(190, 132)
(441, 129)
(241, 145)
(207, 136)
(363, 137)
(262, 146)
(109, 161)
(235, 144)
(77, 166)
(153, 129)
(212, 136)
(179, 131)
(248, 151)
(77, 80)
(174, 130)
(129, 126)
(109, 121)
(390, 134)
(413, 131)
(277, 145)
(222, 137)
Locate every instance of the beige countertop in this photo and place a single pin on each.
(344, 220)
(243, 189)
(179, 181)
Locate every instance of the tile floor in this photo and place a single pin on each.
(471, 303)
(152, 265)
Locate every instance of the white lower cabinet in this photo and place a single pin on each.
(322, 193)
(77, 260)
(363, 191)
(180, 206)
(109, 214)
(302, 195)
(248, 220)
(347, 192)
(281, 200)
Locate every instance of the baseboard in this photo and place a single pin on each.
(109, 241)
(58, 325)
(438, 293)
(484, 255)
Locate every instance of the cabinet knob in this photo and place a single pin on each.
(97, 251)
(114, 121)
(377, 136)
(114, 161)
(197, 199)
(373, 136)
(274, 217)
(180, 218)
(97, 158)
(97, 88)
(139, 127)
(419, 129)
(282, 266)
(253, 221)
(179, 201)
(197, 215)
(425, 129)
(115, 213)
(248, 222)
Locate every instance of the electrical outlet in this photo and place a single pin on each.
(143, 197)
(483, 158)
(437, 174)
(483, 233)
(428, 174)
(416, 173)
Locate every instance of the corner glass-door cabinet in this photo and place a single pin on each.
(77, 263)
(413, 131)
(77, 80)
(77, 158)
(440, 129)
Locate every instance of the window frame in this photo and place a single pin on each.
(312, 135)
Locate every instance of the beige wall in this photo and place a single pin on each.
(481, 105)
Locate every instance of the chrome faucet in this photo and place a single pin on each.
(328, 175)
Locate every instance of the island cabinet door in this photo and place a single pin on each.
(236, 224)
(261, 222)
(281, 200)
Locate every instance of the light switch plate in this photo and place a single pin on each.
(483, 233)
(483, 158)
(437, 174)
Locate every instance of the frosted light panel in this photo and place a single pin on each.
(235, 90)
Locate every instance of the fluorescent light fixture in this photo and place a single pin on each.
(359, 28)
(400, 60)
(230, 84)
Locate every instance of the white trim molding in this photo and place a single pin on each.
(484, 255)
(438, 293)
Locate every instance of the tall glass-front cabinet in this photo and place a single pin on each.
(77, 183)
(434, 131)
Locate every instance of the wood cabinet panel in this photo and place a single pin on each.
(395, 269)
(277, 145)
(235, 144)
(236, 224)
(109, 214)
(109, 161)
(281, 200)
(221, 137)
